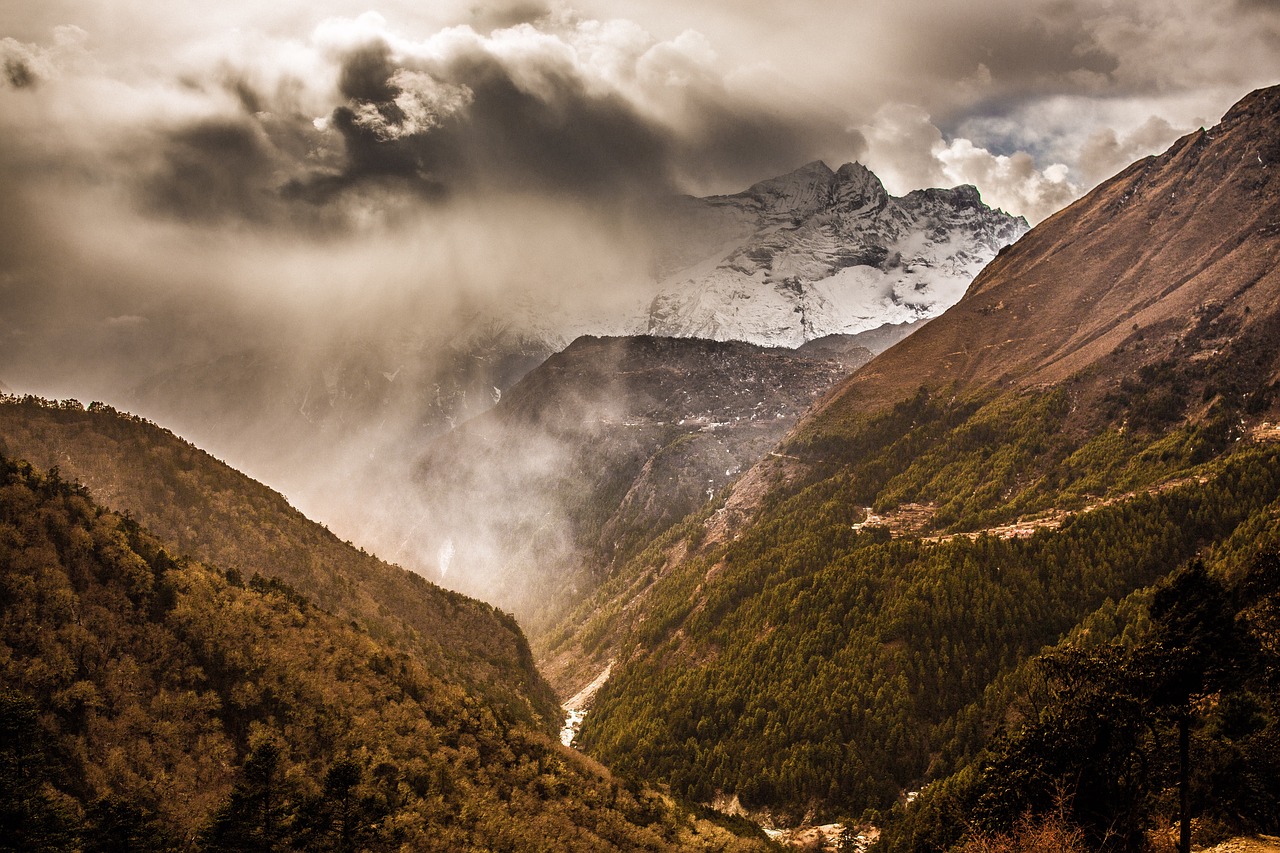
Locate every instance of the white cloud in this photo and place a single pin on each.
(908, 151)
(1012, 182)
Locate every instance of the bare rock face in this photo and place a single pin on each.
(816, 252)
(599, 450)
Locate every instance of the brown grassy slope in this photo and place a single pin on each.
(1196, 227)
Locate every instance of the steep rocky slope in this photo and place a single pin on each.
(605, 445)
(1175, 257)
(817, 252)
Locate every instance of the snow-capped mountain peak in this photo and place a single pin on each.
(797, 194)
(810, 190)
(811, 253)
(816, 252)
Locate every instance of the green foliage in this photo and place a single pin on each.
(824, 666)
(981, 461)
(253, 817)
(1099, 741)
(33, 815)
(808, 665)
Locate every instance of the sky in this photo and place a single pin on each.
(298, 156)
(184, 182)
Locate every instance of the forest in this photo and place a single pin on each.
(151, 701)
(819, 667)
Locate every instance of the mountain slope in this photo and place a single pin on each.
(821, 638)
(1142, 263)
(201, 507)
(817, 252)
(605, 445)
(148, 703)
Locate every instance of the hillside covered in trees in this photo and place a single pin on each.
(152, 702)
(865, 611)
(203, 508)
(809, 664)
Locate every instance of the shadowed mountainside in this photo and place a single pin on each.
(607, 444)
(203, 508)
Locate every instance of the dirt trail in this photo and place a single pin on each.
(913, 519)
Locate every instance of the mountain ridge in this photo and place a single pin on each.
(816, 252)
(203, 508)
(1130, 230)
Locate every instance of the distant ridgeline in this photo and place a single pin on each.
(152, 702)
(1016, 560)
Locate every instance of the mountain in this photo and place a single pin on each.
(817, 252)
(860, 613)
(1157, 288)
(203, 508)
(1175, 257)
(152, 702)
(597, 450)
(338, 425)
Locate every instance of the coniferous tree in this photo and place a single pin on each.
(33, 816)
(254, 816)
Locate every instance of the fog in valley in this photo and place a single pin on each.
(314, 241)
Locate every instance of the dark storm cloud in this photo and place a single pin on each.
(250, 98)
(1046, 50)
(211, 170)
(366, 74)
(490, 17)
(737, 144)
(19, 74)
(561, 139)
(1008, 59)
(24, 65)
(566, 138)
(524, 116)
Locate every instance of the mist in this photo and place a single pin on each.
(316, 258)
(316, 239)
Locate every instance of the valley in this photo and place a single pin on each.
(822, 267)
(473, 465)
(798, 655)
